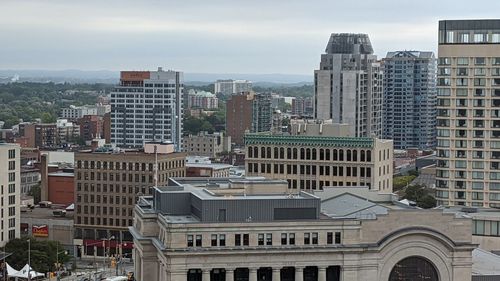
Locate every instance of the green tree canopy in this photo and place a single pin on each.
(43, 254)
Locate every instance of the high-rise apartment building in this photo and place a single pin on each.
(468, 113)
(147, 106)
(10, 183)
(248, 111)
(229, 87)
(409, 111)
(262, 113)
(348, 85)
(107, 185)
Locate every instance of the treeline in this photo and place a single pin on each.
(28, 101)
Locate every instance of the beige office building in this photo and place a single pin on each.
(468, 122)
(253, 230)
(314, 157)
(10, 184)
(107, 185)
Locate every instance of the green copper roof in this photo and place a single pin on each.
(251, 139)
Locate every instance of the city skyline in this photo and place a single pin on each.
(94, 35)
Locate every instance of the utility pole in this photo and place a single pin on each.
(29, 260)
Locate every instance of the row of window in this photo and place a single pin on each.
(112, 200)
(131, 177)
(459, 184)
(463, 71)
(466, 143)
(465, 102)
(488, 228)
(130, 166)
(96, 210)
(263, 239)
(309, 170)
(112, 188)
(311, 154)
(476, 175)
(314, 184)
(465, 81)
(103, 221)
(467, 61)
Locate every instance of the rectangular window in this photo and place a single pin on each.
(190, 242)
(222, 239)
(269, 239)
(291, 238)
(337, 238)
(246, 239)
(329, 238)
(198, 240)
(261, 239)
(478, 227)
(214, 239)
(284, 239)
(237, 240)
(307, 238)
(315, 238)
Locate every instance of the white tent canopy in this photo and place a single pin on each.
(23, 273)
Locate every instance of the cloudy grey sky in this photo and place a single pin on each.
(216, 36)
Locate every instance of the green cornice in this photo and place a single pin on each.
(261, 139)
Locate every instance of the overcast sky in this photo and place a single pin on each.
(216, 36)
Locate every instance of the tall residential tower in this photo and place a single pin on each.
(147, 106)
(348, 85)
(468, 122)
(410, 99)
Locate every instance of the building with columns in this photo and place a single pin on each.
(255, 230)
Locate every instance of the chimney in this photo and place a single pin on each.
(44, 171)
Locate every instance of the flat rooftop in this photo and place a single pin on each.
(46, 213)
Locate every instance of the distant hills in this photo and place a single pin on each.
(111, 77)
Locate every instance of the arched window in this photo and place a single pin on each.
(275, 153)
(314, 154)
(355, 155)
(414, 268)
(327, 152)
(368, 156)
(295, 153)
(348, 155)
(308, 153)
(341, 155)
(362, 156)
(282, 153)
(302, 154)
(321, 154)
(268, 153)
(335, 155)
(250, 152)
(289, 153)
(262, 152)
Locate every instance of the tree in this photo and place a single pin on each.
(48, 118)
(44, 254)
(36, 193)
(420, 195)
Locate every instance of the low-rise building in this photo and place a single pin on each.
(202, 99)
(254, 229)
(61, 188)
(312, 162)
(30, 176)
(203, 167)
(205, 144)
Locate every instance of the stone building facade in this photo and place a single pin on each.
(311, 162)
(288, 238)
(107, 185)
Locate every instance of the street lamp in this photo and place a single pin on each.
(104, 245)
(57, 260)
